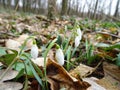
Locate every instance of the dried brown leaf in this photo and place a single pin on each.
(9, 75)
(10, 86)
(80, 71)
(12, 44)
(111, 80)
(21, 39)
(39, 61)
(94, 84)
(62, 79)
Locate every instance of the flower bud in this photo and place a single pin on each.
(78, 37)
(34, 51)
(59, 56)
(77, 41)
(79, 32)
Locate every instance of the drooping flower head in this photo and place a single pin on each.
(77, 41)
(78, 37)
(59, 56)
(34, 50)
(79, 33)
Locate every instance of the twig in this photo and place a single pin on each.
(90, 72)
(108, 34)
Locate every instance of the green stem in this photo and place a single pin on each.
(45, 56)
(8, 68)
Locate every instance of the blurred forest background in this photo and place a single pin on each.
(93, 9)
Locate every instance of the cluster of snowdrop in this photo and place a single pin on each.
(78, 37)
(59, 56)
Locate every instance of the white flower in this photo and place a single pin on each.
(34, 51)
(78, 37)
(77, 41)
(59, 56)
(79, 33)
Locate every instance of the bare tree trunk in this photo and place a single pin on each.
(39, 5)
(68, 11)
(51, 9)
(110, 5)
(117, 8)
(24, 5)
(28, 6)
(64, 7)
(4, 4)
(89, 10)
(95, 10)
(9, 3)
(16, 4)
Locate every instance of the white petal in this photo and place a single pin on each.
(59, 56)
(34, 51)
(77, 41)
(79, 32)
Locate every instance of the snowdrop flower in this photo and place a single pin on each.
(77, 41)
(34, 51)
(78, 37)
(79, 33)
(59, 56)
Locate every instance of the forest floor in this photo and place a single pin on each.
(93, 65)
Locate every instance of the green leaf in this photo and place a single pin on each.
(118, 60)
(37, 69)
(20, 65)
(68, 52)
(113, 47)
(35, 74)
(21, 73)
(59, 40)
(33, 70)
(26, 84)
(2, 51)
(102, 45)
(7, 59)
(108, 46)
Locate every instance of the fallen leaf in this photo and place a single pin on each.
(1, 64)
(111, 80)
(94, 85)
(39, 61)
(109, 83)
(81, 71)
(9, 75)
(12, 44)
(21, 39)
(60, 78)
(112, 70)
(10, 86)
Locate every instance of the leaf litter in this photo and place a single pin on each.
(15, 30)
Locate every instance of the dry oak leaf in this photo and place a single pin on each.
(9, 75)
(21, 39)
(39, 61)
(13, 44)
(11, 86)
(59, 78)
(81, 71)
